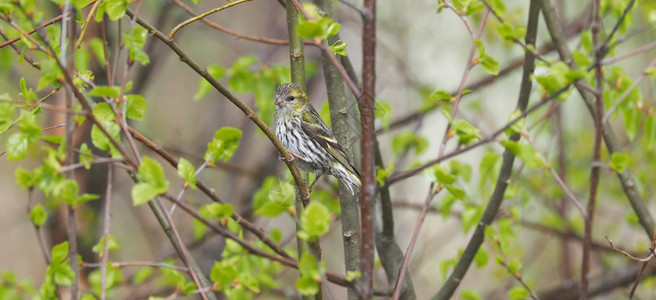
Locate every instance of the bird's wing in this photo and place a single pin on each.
(313, 126)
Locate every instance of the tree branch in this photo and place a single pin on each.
(447, 290)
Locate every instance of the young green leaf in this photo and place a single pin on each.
(187, 171)
(619, 161)
(204, 87)
(38, 215)
(153, 182)
(308, 283)
(224, 144)
(111, 244)
(273, 198)
(469, 295)
(466, 132)
(315, 221)
(136, 109)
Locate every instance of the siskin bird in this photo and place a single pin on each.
(305, 135)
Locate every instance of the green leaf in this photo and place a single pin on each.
(142, 193)
(619, 161)
(59, 253)
(489, 64)
(111, 244)
(333, 29)
(632, 119)
(29, 125)
(204, 87)
(650, 130)
(406, 140)
(382, 174)
(518, 293)
(24, 178)
(273, 197)
(142, 275)
(498, 7)
(136, 107)
(443, 175)
(38, 215)
(100, 140)
(456, 191)
(6, 112)
(187, 171)
(481, 258)
(318, 28)
(445, 205)
(441, 95)
(383, 112)
(466, 132)
(461, 170)
(651, 72)
(338, 48)
(153, 182)
(224, 144)
(98, 49)
(308, 283)
(324, 113)
(516, 127)
(507, 32)
(315, 221)
(514, 266)
(471, 216)
(105, 91)
(115, 9)
(67, 191)
(17, 146)
(223, 274)
(469, 295)
(85, 156)
(135, 42)
(216, 210)
(586, 40)
(445, 265)
(85, 198)
(526, 153)
(352, 275)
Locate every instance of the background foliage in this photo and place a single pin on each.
(137, 160)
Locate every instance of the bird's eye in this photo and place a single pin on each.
(290, 98)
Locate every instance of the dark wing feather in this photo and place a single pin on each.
(313, 126)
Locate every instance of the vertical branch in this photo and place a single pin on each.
(68, 63)
(107, 217)
(368, 189)
(612, 145)
(447, 290)
(562, 173)
(297, 66)
(296, 55)
(594, 173)
(389, 251)
(342, 116)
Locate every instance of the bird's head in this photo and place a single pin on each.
(290, 96)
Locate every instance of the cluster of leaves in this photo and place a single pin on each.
(244, 78)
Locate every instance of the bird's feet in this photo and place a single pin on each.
(292, 155)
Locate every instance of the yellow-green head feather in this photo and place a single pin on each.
(290, 97)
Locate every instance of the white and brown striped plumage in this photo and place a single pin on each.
(300, 128)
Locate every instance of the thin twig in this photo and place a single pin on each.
(123, 264)
(398, 286)
(626, 93)
(202, 16)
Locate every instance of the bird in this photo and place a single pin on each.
(310, 143)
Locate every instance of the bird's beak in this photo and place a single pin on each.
(279, 102)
